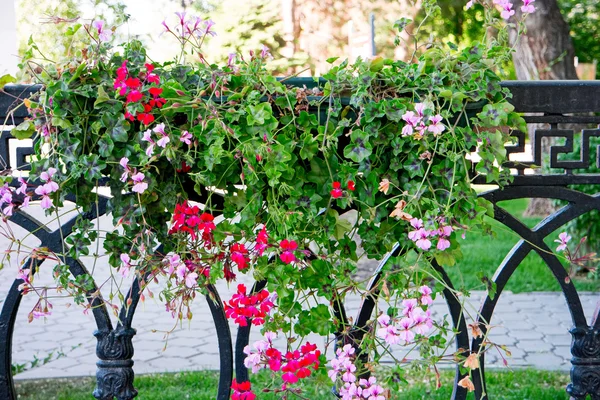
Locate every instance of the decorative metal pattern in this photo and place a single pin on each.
(552, 102)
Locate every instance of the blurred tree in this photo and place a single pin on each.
(583, 16)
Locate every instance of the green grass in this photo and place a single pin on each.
(200, 385)
(485, 253)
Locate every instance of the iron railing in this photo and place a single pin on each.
(546, 102)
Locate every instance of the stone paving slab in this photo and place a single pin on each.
(534, 326)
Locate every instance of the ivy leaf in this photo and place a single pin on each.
(93, 167)
(258, 114)
(360, 148)
(24, 130)
(119, 132)
(61, 123)
(310, 147)
(105, 146)
(102, 96)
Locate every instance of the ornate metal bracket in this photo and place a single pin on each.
(115, 368)
(585, 373)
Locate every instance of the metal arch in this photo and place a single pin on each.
(454, 307)
(533, 239)
(8, 315)
(225, 346)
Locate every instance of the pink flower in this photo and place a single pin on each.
(23, 188)
(47, 175)
(506, 6)
(190, 279)
(44, 191)
(469, 4)
(103, 34)
(125, 265)
(426, 295)
(405, 333)
(147, 137)
(123, 162)
(186, 137)
(139, 186)
(443, 244)
(264, 52)
(420, 109)
(527, 6)
(563, 239)
(436, 127)
(181, 15)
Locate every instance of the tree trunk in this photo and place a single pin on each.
(545, 52)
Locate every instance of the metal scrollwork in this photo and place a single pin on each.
(585, 373)
(115, 366)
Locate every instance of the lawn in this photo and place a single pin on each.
(485, 253)
(200, 385)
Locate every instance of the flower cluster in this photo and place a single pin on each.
(295, 365)
(46, 189)
(506, 7)
(139, 184)
(414, 320)
(343, 367)
(138, 104)
(163, 138)
(337, 192)
(242, 307)
(419, 122)
(192, 26)
(422, 237)
(188, 219)
(242, 391)
(288, 247)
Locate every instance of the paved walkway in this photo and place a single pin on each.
(533, 326)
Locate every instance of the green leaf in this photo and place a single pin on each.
(258, 114)
(24, 130)
(61, 123)
(331, 60)
(102, 96)
(6, 79)
(105, 146)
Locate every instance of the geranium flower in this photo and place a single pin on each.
(125, 267)
(289, 246)
(103, 34)
(336, 192)
(384, 185)
(563, 239)
(527, 6)
(139, 186)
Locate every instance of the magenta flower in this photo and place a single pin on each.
(264, 52)
(23, 188)
(563, 239)
(123, 162)
(426, 295)
(181, 15)
(139, 186)
(443, 244)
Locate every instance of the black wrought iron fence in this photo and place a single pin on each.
(545, 102)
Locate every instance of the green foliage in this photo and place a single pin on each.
(583, 17)
(280, 163)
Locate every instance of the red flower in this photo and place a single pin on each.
(184, 167)
(261, 241)
(336, 192)
(149, 67)
(145, 119)
(239, 255)
(242, 391)
(134, 96)
(242, 307)
(351, 186)
(288, 246)
(155, 92)
(133, 83)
